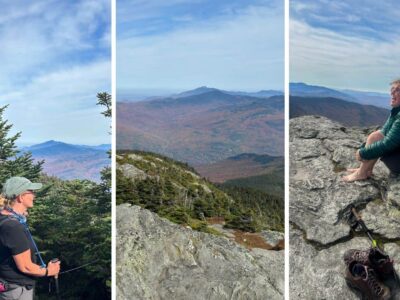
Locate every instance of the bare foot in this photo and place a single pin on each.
(369, 173)
(355, 176)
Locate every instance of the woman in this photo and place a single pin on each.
(383, 144)
(18, 251)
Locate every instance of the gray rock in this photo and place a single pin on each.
(272, 237)
(319, 274)
(320, 200)
(132, 172)
(157, 259)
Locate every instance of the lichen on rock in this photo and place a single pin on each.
(320, 152)
(157, 259)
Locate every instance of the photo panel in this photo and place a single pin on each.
(200, 150)
(344, 150)
(55, 166)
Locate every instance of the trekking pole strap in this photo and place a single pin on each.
(22, 220)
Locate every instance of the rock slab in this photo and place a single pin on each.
(157, 259)
(320, 152)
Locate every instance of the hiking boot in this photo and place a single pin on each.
(363, 279)
(374, 258)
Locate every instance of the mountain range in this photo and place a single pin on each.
(346, 112)
(68, 161)
(125, 96)
(204, 125)
(204, 89)
(361, 97)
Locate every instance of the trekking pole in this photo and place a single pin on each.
(363, 226)
(54, 260)
(79, 267)
(374, 243)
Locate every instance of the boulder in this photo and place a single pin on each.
(157, 259)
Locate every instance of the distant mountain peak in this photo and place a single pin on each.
(46, 144)
(69, 161)
(51, 142)
(206, 90)
(196, 91)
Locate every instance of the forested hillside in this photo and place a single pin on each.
(175, 191)
(70, 220)
(344, 112)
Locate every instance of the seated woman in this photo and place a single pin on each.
(383, 144)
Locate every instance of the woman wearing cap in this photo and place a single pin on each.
(383, 144)
(18, 251)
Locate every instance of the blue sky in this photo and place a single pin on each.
(183, 44)
(55, 57)
(345, 44)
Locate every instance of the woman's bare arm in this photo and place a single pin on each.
(25, 265)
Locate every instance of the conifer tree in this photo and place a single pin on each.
(12, 163)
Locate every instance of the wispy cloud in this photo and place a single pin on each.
(370, 19)
(237, 46)
(343, 44)
(49, 52)
(61, 105)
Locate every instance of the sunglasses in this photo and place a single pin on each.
(29, 192)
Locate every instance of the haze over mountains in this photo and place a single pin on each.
(362, 97)
(204, 125)
(133, 96)
(68, 161)
(351, 108)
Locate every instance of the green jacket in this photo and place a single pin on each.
(391, 141)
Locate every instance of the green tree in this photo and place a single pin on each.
(104, 99)
(71, 220)
(12, 163)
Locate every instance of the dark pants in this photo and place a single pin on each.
(392, 161)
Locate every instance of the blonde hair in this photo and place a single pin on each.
(5, 202)
(395, 82)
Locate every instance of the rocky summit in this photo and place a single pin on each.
(320, 152)
(157, 259)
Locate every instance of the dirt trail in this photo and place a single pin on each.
(248, 239)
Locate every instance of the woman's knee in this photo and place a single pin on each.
(374, 137)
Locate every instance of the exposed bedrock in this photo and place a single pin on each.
(320, 152)
(157, 259)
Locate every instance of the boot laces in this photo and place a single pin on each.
(373, 283)
(359, 256)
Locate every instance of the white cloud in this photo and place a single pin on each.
(245, 51)
(61, 106)
(40, 37)
(54, 58)
(322, 56)
(133, 10)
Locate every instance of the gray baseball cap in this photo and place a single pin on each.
(15, 186)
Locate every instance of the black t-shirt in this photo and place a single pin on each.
(14, 239)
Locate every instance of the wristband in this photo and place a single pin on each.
(47, 272)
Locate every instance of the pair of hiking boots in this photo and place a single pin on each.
(365, 271)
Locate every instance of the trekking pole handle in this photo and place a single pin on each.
(54, 260)
(360, 221)
(354, 211)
